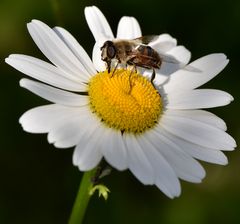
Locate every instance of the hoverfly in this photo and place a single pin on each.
(134, 52)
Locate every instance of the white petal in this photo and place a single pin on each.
(42, 119)
(56, 50)
(138, 163)
(165, 178)
(87, 153)
(128, 28)
(54, 95)
(198, 98)
(97, 23)
(199, 152)
(184, 165)
(64, 124)
(163, 43)
(159, 79)
(198, 133)
(197, 73)
(44, 72)
(199, 115)
(76, 49)
(113, 149)
(96, 56)
(181, 54)
(68, 132)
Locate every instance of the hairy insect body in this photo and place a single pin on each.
(134, 52)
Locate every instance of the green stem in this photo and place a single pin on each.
(83, 197)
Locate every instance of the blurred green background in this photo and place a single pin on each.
(39, 183)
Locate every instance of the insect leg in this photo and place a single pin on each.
(129, 78)
(133, 69)
(109, 66)
(153, 75)
(115, 69)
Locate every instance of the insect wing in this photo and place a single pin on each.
(169, 59)
(146, 39)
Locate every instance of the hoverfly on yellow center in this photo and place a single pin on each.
(123, 98)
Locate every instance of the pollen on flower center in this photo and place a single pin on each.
(125, 100)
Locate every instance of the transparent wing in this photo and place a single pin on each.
(146, 39)
(172, 60)
(168, 58)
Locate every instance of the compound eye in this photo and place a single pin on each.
(111, 51)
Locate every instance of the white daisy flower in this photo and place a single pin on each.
(156, 133)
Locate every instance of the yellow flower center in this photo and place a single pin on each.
(125, 100)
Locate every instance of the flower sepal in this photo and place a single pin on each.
(102, 191)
